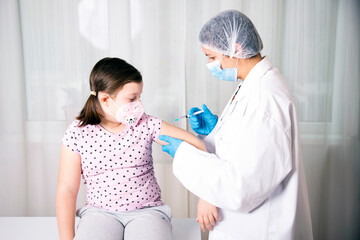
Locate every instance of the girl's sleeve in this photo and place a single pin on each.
(154, 126)
(72, 137)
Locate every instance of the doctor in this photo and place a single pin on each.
(253, 170)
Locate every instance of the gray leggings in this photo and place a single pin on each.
(147, 223)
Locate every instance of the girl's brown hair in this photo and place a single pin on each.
(109, 75)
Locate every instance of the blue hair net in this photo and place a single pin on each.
(223, 31)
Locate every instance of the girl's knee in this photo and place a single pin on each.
(99, 226)
(150, 226)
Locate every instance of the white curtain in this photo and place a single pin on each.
(49, 47)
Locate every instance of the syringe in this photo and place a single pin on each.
(187, 115)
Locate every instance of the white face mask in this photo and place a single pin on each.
(129, 113)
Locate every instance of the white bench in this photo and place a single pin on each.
(45, 228)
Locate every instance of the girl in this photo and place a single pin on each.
(109, 144)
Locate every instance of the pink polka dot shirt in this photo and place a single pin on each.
(117, 168)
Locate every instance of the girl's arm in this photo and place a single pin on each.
(175, 132)
(207, 214)
(67, 190)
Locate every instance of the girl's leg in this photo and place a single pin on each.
(150, 224)
(98, 225)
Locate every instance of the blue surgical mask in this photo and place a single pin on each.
(227, 74)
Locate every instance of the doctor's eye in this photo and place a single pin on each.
(211, 59)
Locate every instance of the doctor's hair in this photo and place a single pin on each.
(109, 75)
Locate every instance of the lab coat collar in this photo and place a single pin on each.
(255, 74)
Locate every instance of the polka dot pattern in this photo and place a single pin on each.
(117, 168)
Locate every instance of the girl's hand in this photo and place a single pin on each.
(207, 215)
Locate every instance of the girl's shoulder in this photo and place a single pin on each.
(150, 125)
(75, 127)
(74, 124)
(149, 119)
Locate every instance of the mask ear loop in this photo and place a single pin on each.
(114, 102)
(236, 76)
(237, 62)
(109, 108)
(222, 58)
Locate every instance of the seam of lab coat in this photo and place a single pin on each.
(289, 168)
(270, 116)
(278, 124)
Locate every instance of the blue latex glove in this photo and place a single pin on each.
(173, 145)
(202, 123)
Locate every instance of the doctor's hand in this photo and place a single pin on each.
(207, 215)
(202, 123)
(173, 145)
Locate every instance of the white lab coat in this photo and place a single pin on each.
(254, 170)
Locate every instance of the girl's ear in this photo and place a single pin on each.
(103, 98)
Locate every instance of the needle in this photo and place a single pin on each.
(187, 116)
